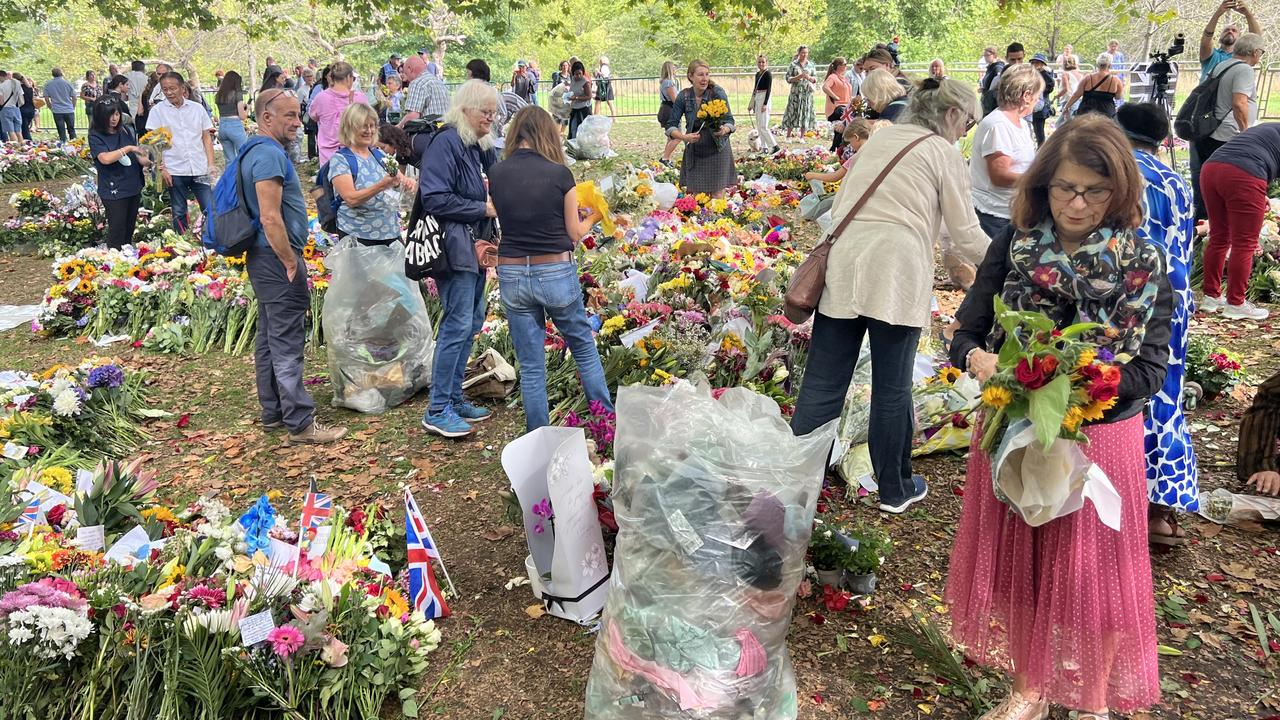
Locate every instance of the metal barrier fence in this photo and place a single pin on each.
(637, 97)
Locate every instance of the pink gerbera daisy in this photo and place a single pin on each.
(285, 640)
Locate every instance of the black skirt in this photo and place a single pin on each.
(664, 113)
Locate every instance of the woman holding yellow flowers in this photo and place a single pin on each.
(1067, 607)
(708, 121)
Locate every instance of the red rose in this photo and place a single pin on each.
(1101, 391)
(960, 421)
(1091, 372)
(1049, 364)
(1030, 376)
(56, 515)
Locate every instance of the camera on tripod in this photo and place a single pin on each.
(1160, 69)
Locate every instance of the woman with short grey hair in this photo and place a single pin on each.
(452, 190)
(1098, 91)
(1002, 146)
(880, 273)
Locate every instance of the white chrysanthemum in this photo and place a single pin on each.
(66, 403)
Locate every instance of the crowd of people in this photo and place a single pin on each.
(1081, 221)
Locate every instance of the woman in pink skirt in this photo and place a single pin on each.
(1067, 608)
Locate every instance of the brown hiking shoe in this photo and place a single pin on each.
(316, 434)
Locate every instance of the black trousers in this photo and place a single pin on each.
(833, 352)
(1037, 125)
(122, 218)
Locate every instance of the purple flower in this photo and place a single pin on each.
(108, 376)
(1106, 355)
(542, 508)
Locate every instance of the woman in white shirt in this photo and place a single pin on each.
(880, 274)
(1002, 147)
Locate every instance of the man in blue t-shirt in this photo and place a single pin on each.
(61, 97)
(278, 272)
(1211, 56)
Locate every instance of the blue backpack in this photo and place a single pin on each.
(230, 227)
(329, 202)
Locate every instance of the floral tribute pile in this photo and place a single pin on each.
(69, 417)
(197, 612)
(169, 296)
(37, 162)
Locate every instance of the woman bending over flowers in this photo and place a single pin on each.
(1067, 607)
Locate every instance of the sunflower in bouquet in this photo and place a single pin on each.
(156, 143)
(1051, 377)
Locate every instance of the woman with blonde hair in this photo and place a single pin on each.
(604, 86)
(370, 210)
(668, 86)
(884, 94)
(708, 158)
(537, 204)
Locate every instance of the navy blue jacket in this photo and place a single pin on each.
(453, 191)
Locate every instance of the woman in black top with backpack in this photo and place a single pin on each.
(759, 107)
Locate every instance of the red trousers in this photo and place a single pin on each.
(1236, 202)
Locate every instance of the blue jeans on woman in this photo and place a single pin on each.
(463, 297)
(833, 352)
(232, 136)
(531, 294)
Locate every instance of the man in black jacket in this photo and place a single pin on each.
(1013, 55)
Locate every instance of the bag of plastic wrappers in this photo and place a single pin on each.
(592, 140)
(714, 500)
(376, 328)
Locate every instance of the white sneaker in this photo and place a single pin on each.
(1245, 311)
(1212, 304)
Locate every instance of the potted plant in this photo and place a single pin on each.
(865, 561)
(1215, 370)
(831, 550)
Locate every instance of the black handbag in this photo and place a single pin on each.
(424, 253)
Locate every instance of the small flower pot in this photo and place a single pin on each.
(861, 584)
(834, 578)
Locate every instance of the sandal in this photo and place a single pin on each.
(1017, 707)
(1173, 536)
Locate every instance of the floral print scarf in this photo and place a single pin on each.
(1111, 279)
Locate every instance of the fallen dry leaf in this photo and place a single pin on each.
(535, 611)
(498, 533)
(1240, 571)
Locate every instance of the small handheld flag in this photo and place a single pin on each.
(424, 592)
(30, 516)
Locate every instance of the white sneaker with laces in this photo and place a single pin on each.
(1245, 311)
(1212, 304)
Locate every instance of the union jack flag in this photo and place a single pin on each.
(315, 510)
(30, 514)
(424, 592)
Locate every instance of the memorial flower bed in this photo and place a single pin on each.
(37, 162)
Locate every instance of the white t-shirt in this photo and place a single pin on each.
(189, 124)
(998, 134)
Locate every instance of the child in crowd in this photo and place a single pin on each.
(856, 133)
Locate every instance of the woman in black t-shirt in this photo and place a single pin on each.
(537, 204)
(119, 162)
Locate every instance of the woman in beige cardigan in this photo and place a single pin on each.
(880, 275)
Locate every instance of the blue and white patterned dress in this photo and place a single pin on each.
(1172, 478)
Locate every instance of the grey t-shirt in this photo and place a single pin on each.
(10, 93)
(662, 90)
(61, 95)
(577, 88)
(1237, 78)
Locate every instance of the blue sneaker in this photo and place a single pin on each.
(472, 413)
(446, 423)
(922, 489)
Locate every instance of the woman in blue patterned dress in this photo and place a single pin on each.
(1172, 479)
(802, 77)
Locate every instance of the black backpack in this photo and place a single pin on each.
(989, 102)
(329, 202)
(1197, 119)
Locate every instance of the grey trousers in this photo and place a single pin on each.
(282, 337)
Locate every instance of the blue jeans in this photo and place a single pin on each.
(10, 121)
(531, 293)
(232, 136)
(833, 352)
(183, 187)
(991, 224)
(462, 295)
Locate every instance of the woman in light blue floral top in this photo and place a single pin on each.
(370, 209)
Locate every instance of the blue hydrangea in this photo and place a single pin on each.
(108, 376)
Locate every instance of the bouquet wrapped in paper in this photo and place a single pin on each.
(1048, 383)
(156, 143)
(714, 500)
